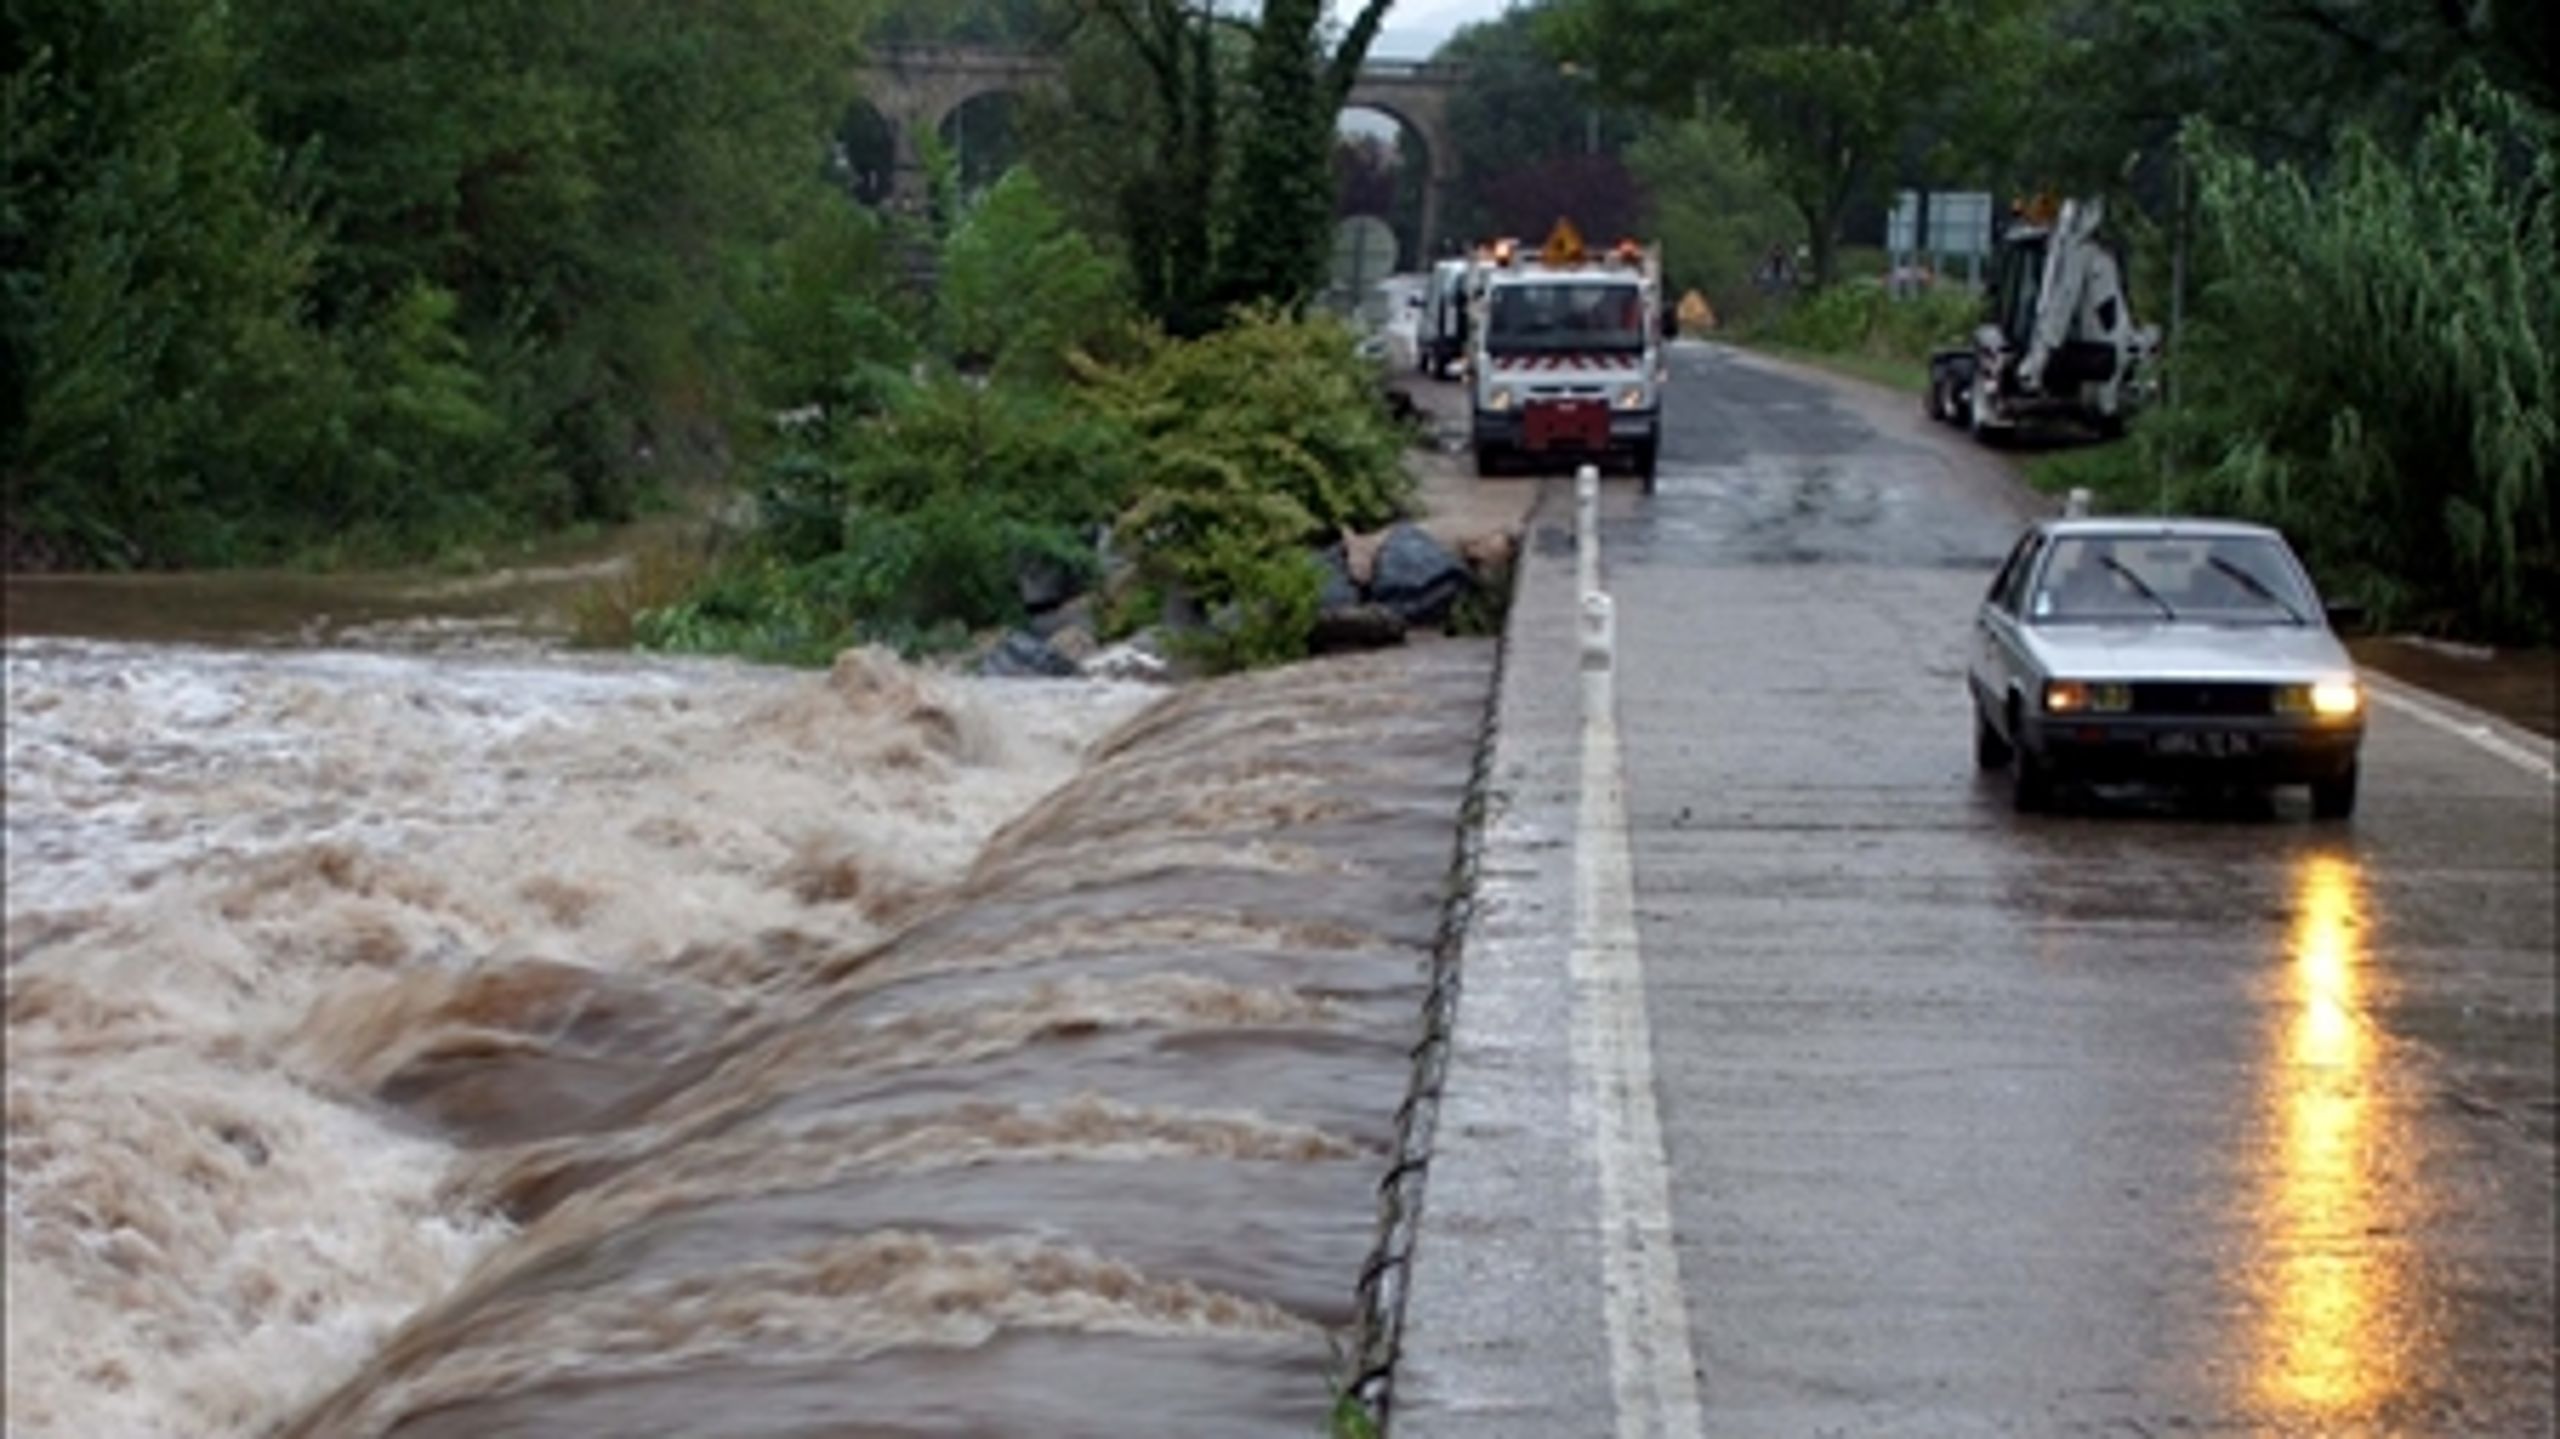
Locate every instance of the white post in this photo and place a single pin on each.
(1599, 633)
(1586, 529)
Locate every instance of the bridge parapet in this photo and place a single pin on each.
(917, 88)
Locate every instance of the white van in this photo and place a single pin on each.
(1442, 342)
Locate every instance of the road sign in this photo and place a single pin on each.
(1959, 223)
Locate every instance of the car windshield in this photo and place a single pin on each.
(1572, 315)
(2222, 579)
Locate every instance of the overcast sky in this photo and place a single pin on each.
(1415, 28)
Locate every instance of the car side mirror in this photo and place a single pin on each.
(2346, 616)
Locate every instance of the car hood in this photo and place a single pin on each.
(2182, 651)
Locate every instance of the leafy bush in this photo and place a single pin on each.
(2375, 366)
(1271, 405)
(1021, 290)
(1035, 453)
(1862, 317)
(831, 340)
(1270, 608)
(903, 508)
(917, 580)
(1253, 442)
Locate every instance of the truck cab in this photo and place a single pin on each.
(1565, 356)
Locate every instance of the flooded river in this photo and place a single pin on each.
(487, 1043)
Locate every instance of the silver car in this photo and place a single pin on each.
(2191, 651)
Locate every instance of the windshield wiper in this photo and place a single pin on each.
(2258, 587)
(2148, 593)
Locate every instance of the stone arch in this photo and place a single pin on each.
(1416, 97)
(980, 129)
(916, 86)
(1407, 208)
(862, 155)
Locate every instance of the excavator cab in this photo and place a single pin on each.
(2017, 274)
(2057, 336)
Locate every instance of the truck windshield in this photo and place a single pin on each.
(1540, 318)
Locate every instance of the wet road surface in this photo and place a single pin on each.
(2133, 1120)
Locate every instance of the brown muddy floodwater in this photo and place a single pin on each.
(507, 1042)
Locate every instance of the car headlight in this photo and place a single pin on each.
(2071, 697)
(1500, 399)
(1631, 398)
(2329, 699)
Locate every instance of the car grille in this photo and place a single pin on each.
(2203, 699)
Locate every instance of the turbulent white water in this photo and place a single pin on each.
(241, 884)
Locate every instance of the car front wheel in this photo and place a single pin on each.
(2031, 784)
(2335, 798)
(1990, 750)
(2030, 774)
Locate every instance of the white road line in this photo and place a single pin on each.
(1652, 1366)
(2401, 699)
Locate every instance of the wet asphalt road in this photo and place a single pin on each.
(2133, 1120)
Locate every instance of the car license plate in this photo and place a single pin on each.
(2210, 743)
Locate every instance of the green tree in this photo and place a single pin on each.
(1521, 111)
(1001, 23)
(1158, 70)
(159, 378)
(1281, 209)
(2113, 84)
(1828, 93)
(579, 175)
(1711, 207)
(2377, 363)
(1023, 291)
(1228, 199)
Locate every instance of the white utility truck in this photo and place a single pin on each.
(2058, 338)
(1564, 355)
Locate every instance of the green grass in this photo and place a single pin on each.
(1909, 376)
(2116, 476)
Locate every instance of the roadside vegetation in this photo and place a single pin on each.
(1860, 327)
(1025, 421)
(1113, 384)
(363, 283)
(2364, 195)
(355, 282)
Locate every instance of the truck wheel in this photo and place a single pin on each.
(2335, 798)
(1648, 459)
(1936, 403)
(1976, 409)
(1488, 461)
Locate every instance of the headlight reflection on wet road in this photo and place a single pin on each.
(2329, 1348)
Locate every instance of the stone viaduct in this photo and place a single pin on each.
(918, 88)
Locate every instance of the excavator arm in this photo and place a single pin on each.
(2072, 259)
